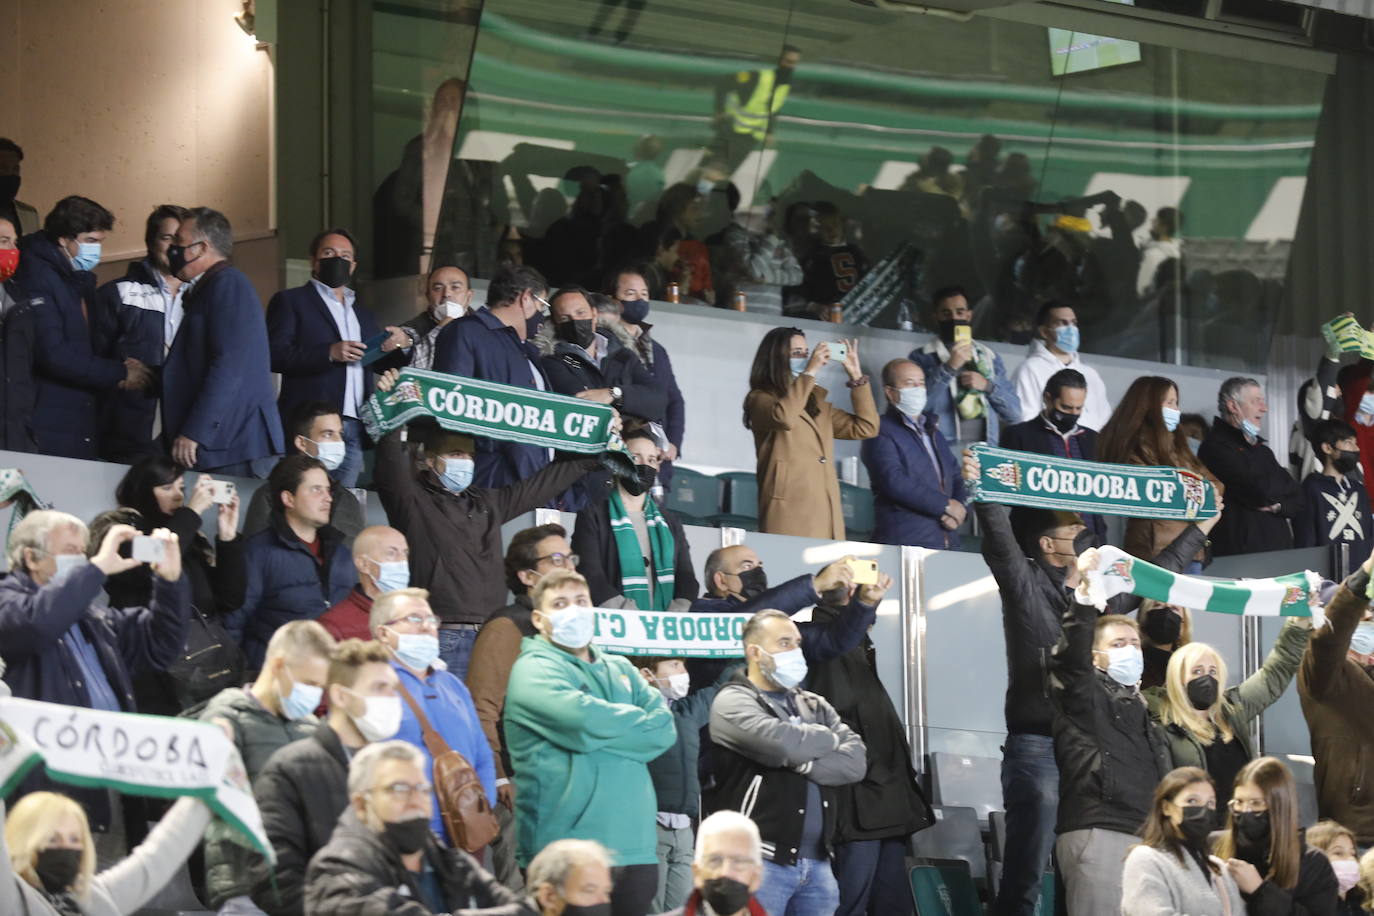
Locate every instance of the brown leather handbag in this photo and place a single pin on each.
(462, 800)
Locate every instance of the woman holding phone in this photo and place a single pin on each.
(794, 427)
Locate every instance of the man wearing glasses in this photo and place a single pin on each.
(403, 622)
(728, 868)
(382, 856)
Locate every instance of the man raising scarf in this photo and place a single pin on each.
(630, 549)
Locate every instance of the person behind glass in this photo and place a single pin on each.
(794, 428)
(1164, 629)
(383, 860)
(727, 868)
(48, 859)
(1337, 843)
(1056, 431)
(142, 312)
(571, 877)
(918, 493)
(1055, 347)
(1277, 873)
(1264, 497)
(319, 335)
(317, 430)
(1335, 506)
(631, 290)
(1145, 430)
(1208, 723)
(1171, 870)
(683, 208)
(835, 264)
(219, 410)
(22, 216)
(494, 344)
(260, 718)
(532, 554)
(17, 345)
(298, 567)
(448, 297)
(155, 488)
(969, 392)
(382, 559)
(630, 546)
(72, 372)
(304, 787)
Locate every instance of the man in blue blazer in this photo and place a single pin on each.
(218, 410)
(493, 344)
(918, 491)
(318, 335)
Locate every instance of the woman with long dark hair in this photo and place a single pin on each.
(795, 429)
(1170, 871)
(1144, 430)
(1277, 873)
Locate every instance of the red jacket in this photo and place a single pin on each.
(348, 618)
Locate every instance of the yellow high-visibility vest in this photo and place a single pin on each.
(753, 116)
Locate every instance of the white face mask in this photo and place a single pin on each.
(449, 309)
(381, 717)
(67, 563)
(674, 686)
(911, 401)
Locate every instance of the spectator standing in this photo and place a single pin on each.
(382, 560)
(583, 724)
(1357, 398)
(448, 293)
(454, 527)
(779, 754)
(1319, 399)
(142, 313)
(17, 344)
(746, 104)
(1162, 248)
(72, 372)
(1338, 845)
(969, 392)
(1337, 697)
(298, 567)
(919, 497)
(1335, 507)
(493, 344)
(1055, 348)
(631, 290)
(1056, 431)
(794, 428)
(317, 430)
(631, 547)
(403, 622)
(218, 405)
(834, 264)
(571, 876)
(22, 216)
(303, 788)
(1262, 495)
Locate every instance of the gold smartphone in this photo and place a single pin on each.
(963, 334)
(865, 571)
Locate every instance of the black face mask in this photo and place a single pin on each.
(58, 869)
(1202, 692)
(334, 272)
(1252, 835)
(9, 187)
(1198, 821)
(753, 582)
(725, 895)
(1347, 461)
(1163, 626)
(643, 481)
(407, 836)
(581, 331)
(1064, 422)
(634, 311)
(595, 909)
(176, 259)
(947, 327)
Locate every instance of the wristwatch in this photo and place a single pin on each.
(616, 394)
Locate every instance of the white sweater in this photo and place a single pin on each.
(1156, 883)
(1030, 378)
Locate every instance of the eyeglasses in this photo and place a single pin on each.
(560, 559)
(417, 620)
(403, 790)
(1253, 806)
(717, 862)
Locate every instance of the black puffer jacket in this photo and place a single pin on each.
(1316, 893)
(356, 874)
(1111, 754)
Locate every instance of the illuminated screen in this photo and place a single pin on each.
(1079, 52)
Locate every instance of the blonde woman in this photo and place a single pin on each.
(1366, 885)
(47, 859)
(1337, 843)
(1207, 721)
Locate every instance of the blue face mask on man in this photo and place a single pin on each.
(1066, 338)
(457, 473)
(392, 575)
(87, 255)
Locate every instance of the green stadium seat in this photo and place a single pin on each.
(695, 497)
(741, 504)
(856, 505)
(944, 889)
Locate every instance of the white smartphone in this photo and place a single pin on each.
(148, 549)
(838, 351)
(222, 492)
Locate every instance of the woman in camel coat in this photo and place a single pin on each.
(794, 430)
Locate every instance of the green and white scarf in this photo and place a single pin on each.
(634, 575)
(1109, 571)
(15, 488)
(1069, 484)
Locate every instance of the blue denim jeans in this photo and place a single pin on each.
(346, 474)
(872, 878)
(805, 889)
(1030, 792)
(455, 648)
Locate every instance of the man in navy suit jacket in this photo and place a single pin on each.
(318, 335)
(493, 344)
(218, 410)
(918, 491)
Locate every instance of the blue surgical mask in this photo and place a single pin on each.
(392, 575)
(330, 454)
(1367, 405)
(303, 699)
(1362, 640)
(798, 364)
(1125, 665)
(1171, 417)
(417, 650)
(1066, 338)
(87, 255)
(1250, 429)
(911, 401)
(634, 311)
(789, 668)
(457, 475)
(572, 627)
(67, 563)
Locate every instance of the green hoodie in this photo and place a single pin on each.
(581, 735)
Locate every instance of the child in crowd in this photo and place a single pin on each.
(1335, 503)
(1338, 843)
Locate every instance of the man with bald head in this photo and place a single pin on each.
(918, 494)
(448, 296)
(16, 349)
(382, 558)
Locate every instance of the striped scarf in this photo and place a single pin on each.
(634, 577)
(1109, 571)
